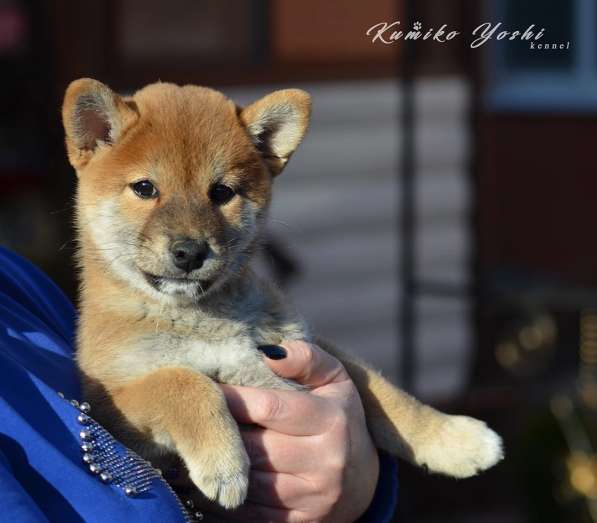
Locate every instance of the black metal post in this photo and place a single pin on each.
(407, 320)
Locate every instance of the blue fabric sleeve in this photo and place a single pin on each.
(16, 504)
(42, 475)
(385, 499)
(40, 297)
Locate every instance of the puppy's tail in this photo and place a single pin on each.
(456, 446)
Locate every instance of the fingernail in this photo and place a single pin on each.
(273, 352)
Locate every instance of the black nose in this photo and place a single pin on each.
(189, 255)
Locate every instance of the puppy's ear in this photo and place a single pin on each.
(94, 117)
(277, 124)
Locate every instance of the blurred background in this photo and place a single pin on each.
(438, 220)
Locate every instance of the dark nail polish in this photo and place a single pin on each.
(273, 352)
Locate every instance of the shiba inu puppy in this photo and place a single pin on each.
(173, 190)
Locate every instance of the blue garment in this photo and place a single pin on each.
(42, 475)
(385, 499)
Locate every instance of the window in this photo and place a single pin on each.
(523, 78)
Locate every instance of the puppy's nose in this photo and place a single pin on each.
(189, 255)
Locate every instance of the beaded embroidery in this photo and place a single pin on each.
(123, 469)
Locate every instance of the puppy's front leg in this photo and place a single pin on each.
(186, 412)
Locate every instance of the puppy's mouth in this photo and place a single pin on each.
(158, 281)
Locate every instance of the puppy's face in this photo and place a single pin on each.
(174, 182)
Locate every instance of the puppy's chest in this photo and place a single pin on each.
(217, 357)
(226, 351)
(224, 359)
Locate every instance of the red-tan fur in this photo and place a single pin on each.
(186, 139)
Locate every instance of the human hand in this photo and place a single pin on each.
(312, 459)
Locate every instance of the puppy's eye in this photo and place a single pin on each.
(221, 194)
(144, 189)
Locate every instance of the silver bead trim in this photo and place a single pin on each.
(125, 470)
(106, 477)
(130, 491)
(87, 446)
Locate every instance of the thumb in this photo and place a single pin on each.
(304, 363)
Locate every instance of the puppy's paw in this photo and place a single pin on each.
(461, 448)
(222, 474)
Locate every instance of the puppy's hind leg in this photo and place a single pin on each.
(456, 446)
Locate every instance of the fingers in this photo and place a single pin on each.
(308, 364)
(271, 451)
(278, 490)
(274, 497)
(287, 412)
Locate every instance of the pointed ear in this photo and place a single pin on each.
(277, 124)
(94, 117)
